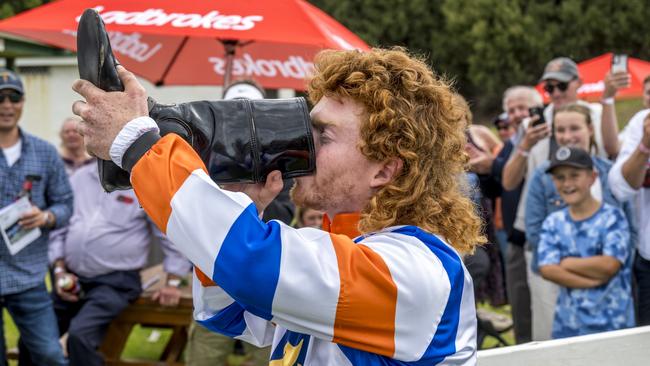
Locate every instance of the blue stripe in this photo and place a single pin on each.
(444, 341)
(229, 321)
(248, 264)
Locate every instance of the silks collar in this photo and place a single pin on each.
(345, 223)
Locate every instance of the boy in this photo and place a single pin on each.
(585, 248)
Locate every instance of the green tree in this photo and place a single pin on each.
(10, 8)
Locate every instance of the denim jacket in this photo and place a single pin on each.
(543, 199)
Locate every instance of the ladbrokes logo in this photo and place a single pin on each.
(294, 67)
(159, 18)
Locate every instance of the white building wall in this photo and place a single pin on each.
(49, 97)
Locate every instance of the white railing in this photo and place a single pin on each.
(628, 347)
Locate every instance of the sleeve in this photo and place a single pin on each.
(55, 246)
(218, 312)
(306, 280)
(619, 186)
(59, 196)
(535, 208)
(548, 250)
(616, 236)
(174, 262)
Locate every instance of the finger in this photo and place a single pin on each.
(155, 296)
(82, 128)
(87, 90)
(129, 80)
(81, 109)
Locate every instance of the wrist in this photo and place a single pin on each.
(607, 100)
(174, 282)
(523, 151)
(49, 219)
(643, 148)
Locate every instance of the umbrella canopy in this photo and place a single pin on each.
(593, 71)
(171, 42)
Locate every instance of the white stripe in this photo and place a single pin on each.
(208, 301)
(127, 136)
(308, 286)
(201, 217)
(423, 289)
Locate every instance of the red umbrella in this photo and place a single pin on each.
(194, 42)
(593, 71)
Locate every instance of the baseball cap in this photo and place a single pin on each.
(501, 119)
(561, 69)
(570, 156)
(9, 80)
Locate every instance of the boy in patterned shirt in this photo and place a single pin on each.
(585, 248)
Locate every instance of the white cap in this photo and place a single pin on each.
(243, 90)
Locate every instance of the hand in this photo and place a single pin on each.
(614, 82)
(262, 193)
(534, 134)
(33, 218)
(480, 162)
(63, 294)
(167, 296)
(105, 113)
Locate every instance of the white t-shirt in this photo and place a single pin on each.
(623, 191)
(12, 153)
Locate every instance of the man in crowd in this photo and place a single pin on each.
(398, 293)
(73, 152)
(96, 261)
(517, 102)
(629, 178)
(29, 166)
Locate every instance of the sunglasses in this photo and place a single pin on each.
(503, 127)
(14, 97)
(562, 86)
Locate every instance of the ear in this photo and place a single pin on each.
(387, 171)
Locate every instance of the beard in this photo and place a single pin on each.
(331, 193)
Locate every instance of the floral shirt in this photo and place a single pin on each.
(590, 310)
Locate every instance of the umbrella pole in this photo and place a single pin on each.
(229, 45)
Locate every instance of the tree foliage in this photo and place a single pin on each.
(488, 45)
(9, 8)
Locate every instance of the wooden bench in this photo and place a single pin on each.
(149, 313)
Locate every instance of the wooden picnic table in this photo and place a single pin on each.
(149, 313)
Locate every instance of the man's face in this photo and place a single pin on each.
(11, 108)
(646, 95)
(343, 175)
(505, 130)
(573, 184)
(70, 138)
(562, 93)
(517, 108)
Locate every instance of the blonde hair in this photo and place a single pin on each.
(412, 115)
(585, 112)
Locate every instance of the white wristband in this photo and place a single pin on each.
(608, 101)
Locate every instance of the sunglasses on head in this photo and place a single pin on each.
(562, 86)
(14, 97)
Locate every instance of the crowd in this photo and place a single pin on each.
(569, 208)
(561, 191)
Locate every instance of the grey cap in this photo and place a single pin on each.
(9, 80)
(560, 69)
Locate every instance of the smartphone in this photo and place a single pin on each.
(537, 111)
(619, 63)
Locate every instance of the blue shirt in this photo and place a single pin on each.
(52, 192)
(590, 310)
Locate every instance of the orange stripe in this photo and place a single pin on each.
(365, 314)
(203, 278)
(160, 173)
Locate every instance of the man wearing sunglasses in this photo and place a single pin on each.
(561, 82)
(29, 165)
